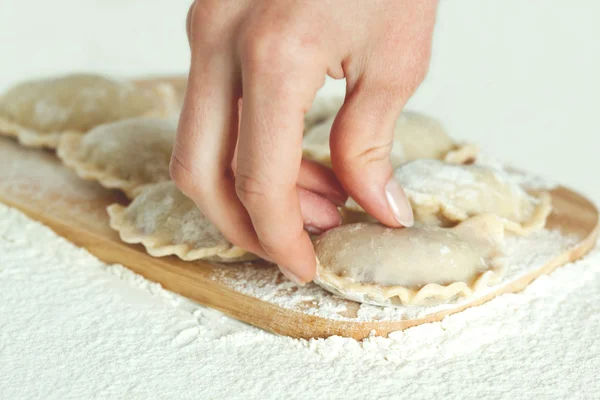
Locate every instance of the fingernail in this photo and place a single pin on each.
(291, 276)
(313, 230)
(399, 203)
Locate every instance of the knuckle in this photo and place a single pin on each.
(416, 71)
(416, 76)
(277, 245)
(251, 191)
(185, 177)
(271, 246)
(401, 85)
(179, 173)
(264, 48)
(207, 21)
(356, 161)
(398, 79)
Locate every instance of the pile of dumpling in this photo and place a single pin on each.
(121, 135)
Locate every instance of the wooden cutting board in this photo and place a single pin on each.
(35, 182)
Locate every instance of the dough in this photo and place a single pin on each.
(166, 222)
(422, 265)
(124, 155)
(415, 136)
(39, 112)
(443, 194)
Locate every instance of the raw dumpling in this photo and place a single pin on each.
(166, 222)
(125, 155)
(38, 112)
(415, 136)
(443, 194)
(422, 265)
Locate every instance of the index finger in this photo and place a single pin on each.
(269, 157)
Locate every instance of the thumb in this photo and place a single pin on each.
(361, 142)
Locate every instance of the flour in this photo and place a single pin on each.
(115, 334)
(440, 176)
(527, 180)
(74, 327)
(464, 187)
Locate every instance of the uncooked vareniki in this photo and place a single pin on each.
(124, 155)
(167, 222)
(39, 112)
(415, 136)
(443, 194)
(422, 265)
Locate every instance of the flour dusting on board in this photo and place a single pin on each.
(22, 174)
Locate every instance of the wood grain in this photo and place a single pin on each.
(35, 182)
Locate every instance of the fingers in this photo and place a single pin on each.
(318, 213)
(319, 192)
(313, 177)
(379, 82)
(276, 94)
(188, 22)
(361, 142)
(204, 146)
(321, 180)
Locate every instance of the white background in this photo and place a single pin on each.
(519, 77)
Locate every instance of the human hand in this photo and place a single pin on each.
(275, 55)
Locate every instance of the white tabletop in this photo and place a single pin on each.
(518, 78)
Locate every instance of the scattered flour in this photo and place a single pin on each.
(74, 327)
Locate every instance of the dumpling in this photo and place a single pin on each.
(177, 82)
(443, 194)
(421, 265)
(125, 155)
(166, 222)
(39, 112)
(415, 136)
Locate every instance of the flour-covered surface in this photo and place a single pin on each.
(39, 177)
(74, 327)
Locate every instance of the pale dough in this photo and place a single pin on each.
(422, 265)
(167, 222)
(39, 112)
(444, 194)
(124, 155)
(415, 136)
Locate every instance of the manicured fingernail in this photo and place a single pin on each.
(313, 230)
(399, 203)
(290, 275)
